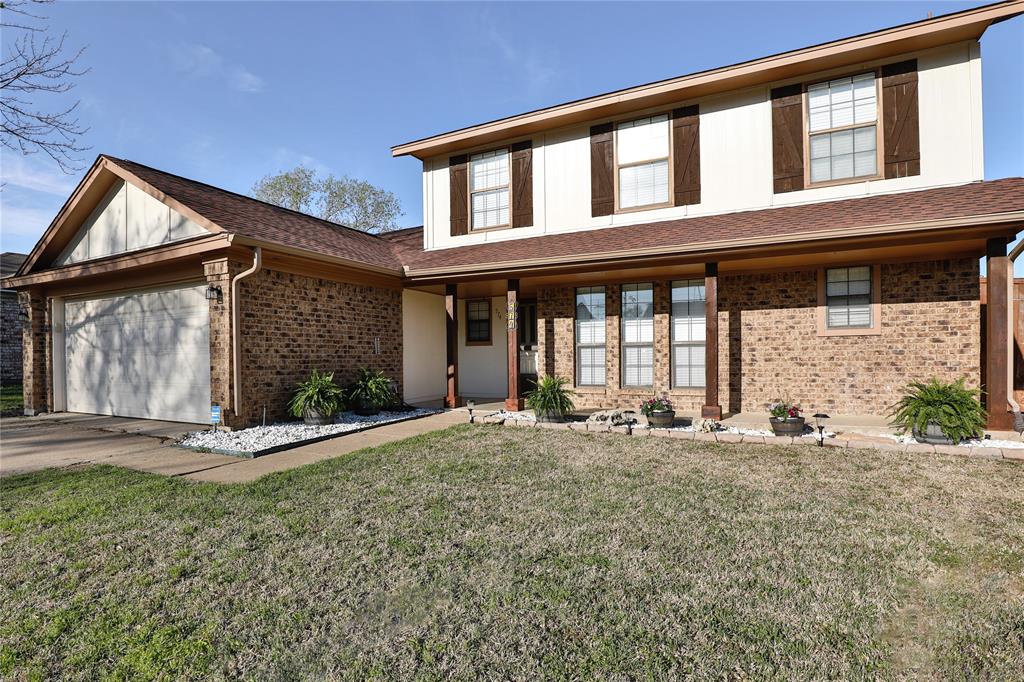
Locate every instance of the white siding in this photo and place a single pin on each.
(483, 370)
(127, 219)
(424, 364)
(736, 156)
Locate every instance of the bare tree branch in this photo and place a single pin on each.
(32, 68)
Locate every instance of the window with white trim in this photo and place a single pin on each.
(638, 335)
(688, 333)
(488, 186)
(642, 153)
(842, 121)
(590, 315)
(848, 297)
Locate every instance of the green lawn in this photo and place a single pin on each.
(511, 553)
(10, 398)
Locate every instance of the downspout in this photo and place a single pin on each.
(236, 336)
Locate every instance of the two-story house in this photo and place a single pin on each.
(808, 224)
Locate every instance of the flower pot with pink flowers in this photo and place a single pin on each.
(785, 418)
(659, 412)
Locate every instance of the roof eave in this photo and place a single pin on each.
(941, 30)
(1011, 222)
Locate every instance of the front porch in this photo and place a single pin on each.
(723, 338)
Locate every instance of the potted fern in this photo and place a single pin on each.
(370, 392)
(940, 413)
(550, 401)
(317, 399)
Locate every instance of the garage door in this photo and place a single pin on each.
(143, 354)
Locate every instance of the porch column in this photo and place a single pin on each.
(998, 335)
(513, 401)
(451, 306)
(35, 380)
(711, 408)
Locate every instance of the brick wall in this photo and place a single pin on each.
(292, 324)
(10, 339)
(768, 342)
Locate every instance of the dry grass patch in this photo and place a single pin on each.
(484, 551)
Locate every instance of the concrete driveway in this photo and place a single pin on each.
(62, 440)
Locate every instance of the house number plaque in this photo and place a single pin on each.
(511, 314)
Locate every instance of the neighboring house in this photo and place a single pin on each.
(10, 323)
(808, 224)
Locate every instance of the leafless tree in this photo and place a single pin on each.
(35, 68)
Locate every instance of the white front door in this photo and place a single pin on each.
(144, 354)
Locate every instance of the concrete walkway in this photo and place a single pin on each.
(62, 440)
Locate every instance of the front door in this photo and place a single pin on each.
(527, 345)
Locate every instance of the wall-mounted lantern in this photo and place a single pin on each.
(214, 293)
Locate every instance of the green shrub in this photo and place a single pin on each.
(319, 393)
(953, 407)
(550, 398)
(371, 387)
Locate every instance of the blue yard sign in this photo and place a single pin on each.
(215, 414)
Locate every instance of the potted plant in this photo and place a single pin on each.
(785, 418)
(370, 392)
(317, 399)
(940, 413)
(550, 401)
(659, 412)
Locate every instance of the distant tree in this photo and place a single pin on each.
(344, 200)
(36, 65)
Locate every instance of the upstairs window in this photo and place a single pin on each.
(478, 322)
(488, 185)
(842, 122)
(848, 298)
(637, 335)
(590, 315)
(642, 153)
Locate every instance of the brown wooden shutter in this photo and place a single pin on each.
(686, 155)
(522, 184)
(902, 142)
(788, 138)
(458, 174)
(602, 181)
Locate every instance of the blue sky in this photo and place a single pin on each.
(228, 92)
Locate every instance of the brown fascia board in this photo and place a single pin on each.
(124, 261)
(942, 30)
(1009, 223)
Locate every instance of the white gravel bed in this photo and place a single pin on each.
(973, 443)
(260, 438)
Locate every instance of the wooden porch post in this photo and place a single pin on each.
(711, 408)
(997, 336)
(451, 306)
(513, 401)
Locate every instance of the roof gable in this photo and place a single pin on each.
(193, 208)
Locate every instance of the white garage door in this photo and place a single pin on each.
(143, 354)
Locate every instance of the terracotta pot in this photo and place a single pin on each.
(788, 426)
(661, 420)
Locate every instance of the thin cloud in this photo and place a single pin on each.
(23, 172)
(202, 61)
